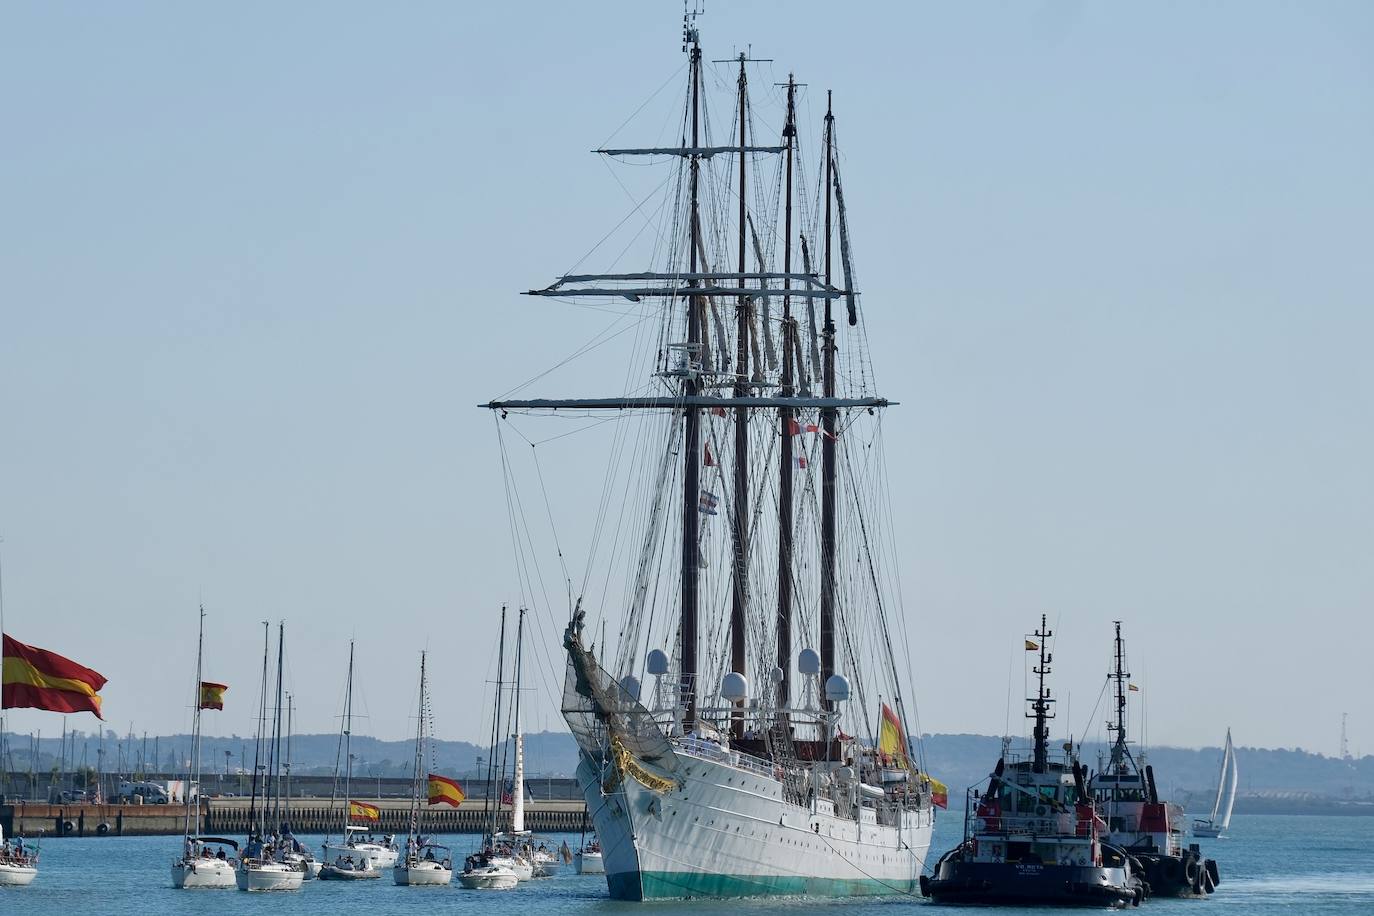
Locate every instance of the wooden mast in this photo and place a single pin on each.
(828, 436)
(691, 386)
(740, 597)
(785, 423)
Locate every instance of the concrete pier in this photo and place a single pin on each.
(231, 816)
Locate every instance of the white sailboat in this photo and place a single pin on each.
(425, 864)
(260, 865)
(203, 862)
(1219, 821)
(494, 867)
(756, 527)
(358, 855)
(18, 863)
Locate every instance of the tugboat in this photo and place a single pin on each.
(1035, 837)
(1137, 821)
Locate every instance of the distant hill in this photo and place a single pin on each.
(1184, 774)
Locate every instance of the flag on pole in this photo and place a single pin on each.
(444, 791)
(799, 462)
(1032, 646)
(709, 460)
(939, 792)
(39, 679)
(707, 504)
(793, 427)
(362, 811)
(892, 740)
(508, 793)
(1133, 688)
(212, 695)
(812, 428)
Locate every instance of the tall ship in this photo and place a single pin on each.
(1035, 836)
(1150, 830)
(747, 735)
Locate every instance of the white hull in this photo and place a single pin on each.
(588, 863)
(268, 877)
(202, 873)
(491, 878)
(1206, 830)
(17, 875)
(726, 832)
(422, 874)
(380, 856)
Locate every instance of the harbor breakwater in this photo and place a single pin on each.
(233, 816)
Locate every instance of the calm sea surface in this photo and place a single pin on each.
(1270, 864)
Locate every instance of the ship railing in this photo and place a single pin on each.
(710, 750)
(1052, 824)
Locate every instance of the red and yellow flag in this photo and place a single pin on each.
(444, 791)
(892, 740)
(39, 679)
(362, 811)
(939, 792)
(212, 695)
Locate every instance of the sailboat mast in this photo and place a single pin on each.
(195, 729)
(828, 433)
(254, 818)
(740, 597)
(691, 477)
(493, 801)
(1041, 704)
(286, 790)
(275, 757)
(348, 744)
(786, 421)
(419, 755)
(517, 792)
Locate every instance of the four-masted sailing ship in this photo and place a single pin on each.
(754, 764)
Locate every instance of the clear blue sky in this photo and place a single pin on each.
(258, 261)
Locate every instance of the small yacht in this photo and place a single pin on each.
(1219, 821)
(588, 860)
(18, 863)
(204, 863)
(349, 867)
(482, 872)
(425, 864)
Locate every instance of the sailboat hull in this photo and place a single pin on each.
(728, 833)
(422, 874)
(12, 875)
(202, 873)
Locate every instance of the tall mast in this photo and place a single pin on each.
(348, 744)
(1120, 675)
(195, 729)
(691, 386)
(786, 421)
(828, 433)
(493, 801)
(254, 815)
(1040, 706)
(275, 756)
(418, 763)
(740, 597)
(517, 792)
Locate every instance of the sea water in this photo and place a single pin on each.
(1269, 865)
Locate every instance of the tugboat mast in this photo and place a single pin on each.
(1121, 676)
(1040, 706)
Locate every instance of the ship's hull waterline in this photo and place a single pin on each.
(725, 832)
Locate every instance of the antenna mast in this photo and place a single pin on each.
(1040, 705)
(1121, 676)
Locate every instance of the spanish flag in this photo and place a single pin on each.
(1032, 646)
(39, 679)
(939, 792)
(212, 695)
(892, 740)
(444, 791)
(1133, 688)
(363, 812)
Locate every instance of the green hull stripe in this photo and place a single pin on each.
(654, 885)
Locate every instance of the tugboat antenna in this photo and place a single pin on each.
(1121, 676)
(1040, 706)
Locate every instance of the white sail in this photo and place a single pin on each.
(1226, 790)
